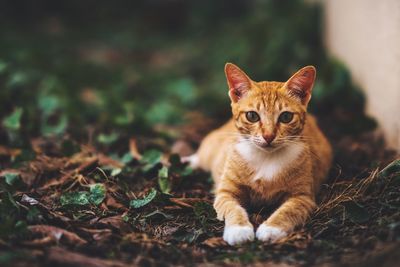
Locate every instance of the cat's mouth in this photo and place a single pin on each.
(271, 147)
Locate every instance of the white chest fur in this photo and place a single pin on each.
(267, 165)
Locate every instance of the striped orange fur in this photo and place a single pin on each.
(266, 157)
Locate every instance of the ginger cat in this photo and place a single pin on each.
(270, 152)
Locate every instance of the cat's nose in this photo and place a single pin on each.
(269, 138)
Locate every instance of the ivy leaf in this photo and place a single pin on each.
(151, 158)
(54, 129)
(48, 104)
(126, 158)
(97, 194)
(13, 121)
(163, 182)
(108, 139)
(356, 212)
(80, 198)
(11, 177)
(138, 203)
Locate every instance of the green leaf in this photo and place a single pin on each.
(18, 78)
(33, 215)
(184, 89)
(80, 198)
(49, 104)
(163, 111)
(3, 66)
(356, 212)
(11, 177)
(392, 168)
(126, 158)
(97, 193)
(115, 171)
(13, 121)
(138, 203)
(108, 139)
(163, 181)
(54, 129)
(151, 158)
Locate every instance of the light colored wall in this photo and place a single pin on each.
(365, 35)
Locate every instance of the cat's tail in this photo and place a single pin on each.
(193, 161)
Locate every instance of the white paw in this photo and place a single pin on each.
(193, 161)
(269, 233)
(238, 234)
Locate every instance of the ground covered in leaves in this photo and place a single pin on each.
(95, 108)
(83, 207)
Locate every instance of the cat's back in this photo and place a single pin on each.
(214, 148)
(320, 150)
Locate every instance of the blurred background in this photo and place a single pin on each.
(116, 69)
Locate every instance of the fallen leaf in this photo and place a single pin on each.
(151, 158)
(10, 152)
(97, 193)
(80, 198)
(114, 221)
(13, 121)
(138, 203)
(57, 234)
(214, 242)
(133, 149)
(27, 199)
(57, 256)
(98, 234)
(163, 181)
(10, 177)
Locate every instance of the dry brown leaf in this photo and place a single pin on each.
(114, 221)
(41, 242)
(84, 166)
(188, 202)
(57, 234)
(9, 152)
(214, 242)
(98, 234)
(133, 149)
(59, 256)
(111, 202)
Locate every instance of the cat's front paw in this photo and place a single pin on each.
(238, 234)
(269, 234)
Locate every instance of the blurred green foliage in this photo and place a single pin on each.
(129, 66)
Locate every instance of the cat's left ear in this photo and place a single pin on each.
(239, 83)
(301, 83)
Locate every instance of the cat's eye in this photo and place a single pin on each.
(252, 116)
(286, 117)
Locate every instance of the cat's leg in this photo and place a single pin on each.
(193, 161)
(293, 212)
(238, 228)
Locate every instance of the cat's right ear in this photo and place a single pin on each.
(239, 83)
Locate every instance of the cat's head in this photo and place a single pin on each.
(269, 115)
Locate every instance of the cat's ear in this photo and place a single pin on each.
(301, 83)
(239, 83)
